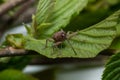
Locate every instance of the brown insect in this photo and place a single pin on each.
(59, 37)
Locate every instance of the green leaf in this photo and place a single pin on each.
(87, 43)
(116, 43)
(112, 70)
(56, 12)
(11, 74)
(16, 40)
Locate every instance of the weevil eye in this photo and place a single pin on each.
(63, 35)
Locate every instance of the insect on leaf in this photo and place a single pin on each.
(86, 43)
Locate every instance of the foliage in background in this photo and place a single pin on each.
(11, 74)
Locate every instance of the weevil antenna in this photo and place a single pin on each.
(61, 30)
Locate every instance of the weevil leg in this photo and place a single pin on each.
(69, 35)
(62, 30)
(71, 47)
(53, 49)
(50, 40)
(55, 46)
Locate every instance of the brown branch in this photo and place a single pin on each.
(10, 51)
(42, 60)
(9, 5)
(100, 59)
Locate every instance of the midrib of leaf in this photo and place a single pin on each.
(96, 38)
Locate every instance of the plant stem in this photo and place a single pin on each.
(10, 51)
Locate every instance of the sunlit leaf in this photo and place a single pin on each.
(112, 70)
